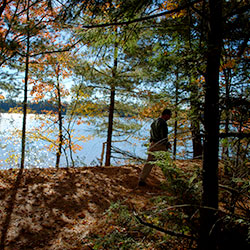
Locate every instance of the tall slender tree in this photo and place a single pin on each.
(30, 25)
(111, 69)
(27, 58)
(211, 122)
(112, 104)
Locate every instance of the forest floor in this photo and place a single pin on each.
(57, 208)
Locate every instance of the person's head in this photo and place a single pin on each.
(166, 114)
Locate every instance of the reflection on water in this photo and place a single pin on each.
(37, 150)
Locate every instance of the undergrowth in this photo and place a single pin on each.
(176, 213)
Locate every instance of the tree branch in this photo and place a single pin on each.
(238, 11)
(233, 190)
(142, 18)
(243, 47)
(3, 7)
(239, 135)
(172, 233)
(56, 51)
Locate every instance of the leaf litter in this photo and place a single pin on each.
(57, 208)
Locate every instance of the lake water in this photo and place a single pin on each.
(38, 155)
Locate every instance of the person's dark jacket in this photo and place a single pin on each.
(159, 132)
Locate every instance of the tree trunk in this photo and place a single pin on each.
(175, 135)
(25, 93)
(13, 192)
(195, 123)
(111, 107)
(176, 113)
(196, 140)
(211, 124)
(4, 4)
(59, 106)
(227, 73)
(110, 126)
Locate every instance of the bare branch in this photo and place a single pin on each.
(57, 51)
(239, 135)
(4, 3)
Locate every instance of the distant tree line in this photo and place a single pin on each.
(40, 107)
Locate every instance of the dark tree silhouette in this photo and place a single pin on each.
(211, 123)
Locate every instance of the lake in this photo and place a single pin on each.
(37, 150)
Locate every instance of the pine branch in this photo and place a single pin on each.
(233, 190)
(169, 232)
(68, 48)
(238, 11)
(142, 18)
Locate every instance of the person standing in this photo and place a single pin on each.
(158, 142)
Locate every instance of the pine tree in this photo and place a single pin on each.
(111, 71)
